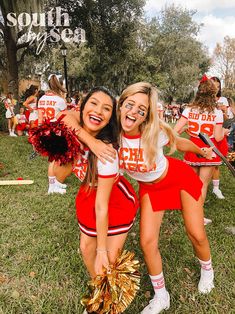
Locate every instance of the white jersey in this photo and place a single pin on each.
(107, 170)
(21, 118)
(132, 158)
(202, 122)
(33, 116)
(9, 107)
(51, 104)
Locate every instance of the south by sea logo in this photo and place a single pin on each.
(56, 22)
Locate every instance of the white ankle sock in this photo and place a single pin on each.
(215, 184)
(207, 271)
(206, 283)
(51, 180)
(158, 283)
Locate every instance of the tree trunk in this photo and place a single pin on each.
(12, 65)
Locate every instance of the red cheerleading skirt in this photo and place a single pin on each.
(27, 113)
(165, 194)
(193, 160)
(122, 208)
(223, 146)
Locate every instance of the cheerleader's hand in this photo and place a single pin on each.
(101, 262)
(226, 132)
(208, 153)
(104, 152)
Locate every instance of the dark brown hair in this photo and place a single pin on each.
(216, 79)
(205, 99)
(56, 86)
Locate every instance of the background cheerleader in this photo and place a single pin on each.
(30, 104)
(49, 106)
(203, 116)
(9, 104)
(222, 104)
(22, 125)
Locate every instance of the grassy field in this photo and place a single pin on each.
(41, 270)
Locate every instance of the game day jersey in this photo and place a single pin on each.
(202, 122)
(51, 104)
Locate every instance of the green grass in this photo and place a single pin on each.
(41, 270)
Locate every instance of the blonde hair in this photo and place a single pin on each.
(56, 86)
(152, 125)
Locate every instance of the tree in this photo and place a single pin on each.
(111, 31)
(224, 63)
(176, 58)
(15, 50)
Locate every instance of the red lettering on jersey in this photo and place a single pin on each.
(204, 117)
(131, 154)
(194, 116)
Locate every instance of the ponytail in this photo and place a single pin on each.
(56, 86)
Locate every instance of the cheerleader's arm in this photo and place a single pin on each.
(104, 152)
(28, 101)
(185, 145)
(180, 125)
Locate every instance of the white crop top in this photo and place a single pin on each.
(132, 158)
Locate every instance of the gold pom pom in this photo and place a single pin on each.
(112, 292)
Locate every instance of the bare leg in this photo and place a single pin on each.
(115, 245)
(205, 174)
(62, 171)
(150, 223)
(192, 212)
(88, 250)
(51, 169)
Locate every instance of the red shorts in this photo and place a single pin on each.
(165, 194)
(123, 205)
(21, 127)
(193, 160)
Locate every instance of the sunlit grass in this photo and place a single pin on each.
(41, 270)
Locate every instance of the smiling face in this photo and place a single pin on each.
(97, 112)
(134, 111)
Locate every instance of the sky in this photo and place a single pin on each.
(218, 17)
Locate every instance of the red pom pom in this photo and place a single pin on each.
(204, 79)
(20, 178)
(56, 141)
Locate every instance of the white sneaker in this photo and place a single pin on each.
(205, 285)
(85, 312)
(55, 189)
(218, 193)
(13, 134)
(156, 305)
(50, 190)
(61, 185)
(207, 221)
(59, 190)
